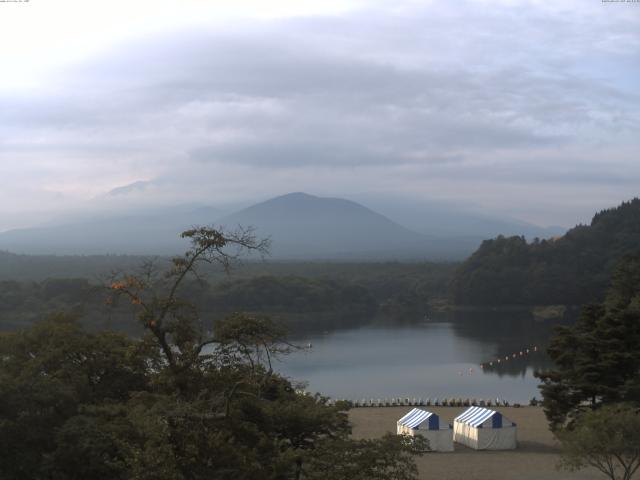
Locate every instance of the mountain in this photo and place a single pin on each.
(443, 219)
(303, 226)
(572, 269)
(124, 190)
(154, 232)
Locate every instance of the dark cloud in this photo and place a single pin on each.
(503, 96)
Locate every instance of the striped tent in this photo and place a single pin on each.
(427, 424)
(484, 429)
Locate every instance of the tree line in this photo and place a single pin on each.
(314, 297)
(571, 270)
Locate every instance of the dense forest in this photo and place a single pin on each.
(570, 270)
(41, 267)
(301, 296)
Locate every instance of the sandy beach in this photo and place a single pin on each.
(535, 458)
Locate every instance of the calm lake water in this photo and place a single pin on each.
(429, 360)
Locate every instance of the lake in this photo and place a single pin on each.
(435, 359)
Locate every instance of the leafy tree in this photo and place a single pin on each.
(386, 459)
(46, 374)
(87, 446)
(173, 323)
(180, 403)
(597, 359)
(607, 439)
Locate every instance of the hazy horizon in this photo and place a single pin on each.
(519, 109)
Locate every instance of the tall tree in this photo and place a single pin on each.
(597, 359)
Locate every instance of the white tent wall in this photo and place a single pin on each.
(497, 438)
(504, 438)
(465, 434)
(494, 433)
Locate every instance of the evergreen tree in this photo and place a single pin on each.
(597, 359)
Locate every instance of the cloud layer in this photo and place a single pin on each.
(517, 107)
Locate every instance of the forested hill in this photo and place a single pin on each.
(571, 270)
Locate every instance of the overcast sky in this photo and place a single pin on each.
(526, 108)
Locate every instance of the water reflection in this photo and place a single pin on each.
(438, 359)
(506, 333)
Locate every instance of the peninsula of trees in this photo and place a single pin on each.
(570, 270)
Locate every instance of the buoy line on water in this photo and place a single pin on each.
(506, 358)
(497, 361)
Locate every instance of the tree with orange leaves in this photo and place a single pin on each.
(168, 320)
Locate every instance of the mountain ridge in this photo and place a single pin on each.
(307, 226)
(303, 226)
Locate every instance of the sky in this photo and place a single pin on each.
(528, 109)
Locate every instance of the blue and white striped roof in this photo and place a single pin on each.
(414, 418)
(476, 416)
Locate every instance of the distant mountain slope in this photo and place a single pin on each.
(442, 219)
(306, 226)
(301, 226)
(151, 233)
(572, 269)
